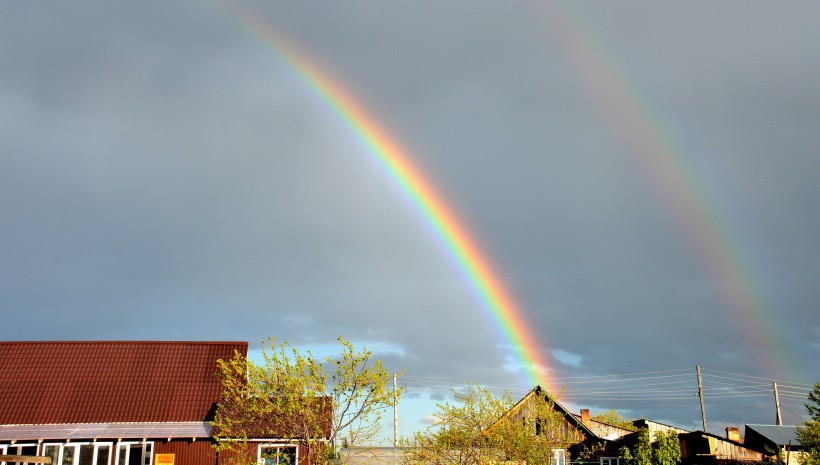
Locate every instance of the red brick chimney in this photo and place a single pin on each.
(585, 416)
(733, 433)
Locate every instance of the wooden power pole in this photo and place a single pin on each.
(700, 394)
(395, 413)
(778, 419)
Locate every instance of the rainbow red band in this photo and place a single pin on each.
(429, 204)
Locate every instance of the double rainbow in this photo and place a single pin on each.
(657, 152)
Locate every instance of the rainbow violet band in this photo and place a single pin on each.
(457, 242)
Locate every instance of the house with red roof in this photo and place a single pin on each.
(117, 403)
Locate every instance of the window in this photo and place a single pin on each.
(277, 454)
(53, 451)
(69, 452)
(18, 449)
(79, 453)
(134, 453)
(103, 454)
(610, 461)
(86, 455)
(559, 457)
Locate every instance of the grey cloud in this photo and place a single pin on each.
(163, 174)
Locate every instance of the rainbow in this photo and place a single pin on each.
(663, 158)
(398, 166)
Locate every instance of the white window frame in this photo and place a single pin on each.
(609, 461)
(76, 446)
(5, 447)
(146, 453)
(559, 457)
(59, 447)
(276, 445)
(111, 451)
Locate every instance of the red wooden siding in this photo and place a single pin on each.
(188, 452)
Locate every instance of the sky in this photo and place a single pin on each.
(640, 178)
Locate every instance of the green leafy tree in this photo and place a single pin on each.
(317, 404)
(665, 450)
(808, 434)
(481, 428)
(641, 453)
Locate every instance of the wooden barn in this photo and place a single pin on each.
(118, 403)
(700, 448)
(587, 440)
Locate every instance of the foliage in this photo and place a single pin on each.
(614, 418)
(641, 453)
(808, 434)
(481, 428)
(813, 406)
(665, 450)
(313, 403)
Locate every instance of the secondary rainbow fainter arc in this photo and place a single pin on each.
(666, 162)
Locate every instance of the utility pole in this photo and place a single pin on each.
(395, 413)
(700, 394)
(778, 419)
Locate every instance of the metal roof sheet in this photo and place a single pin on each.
(110, 381)
(92, 431)
(778, 434)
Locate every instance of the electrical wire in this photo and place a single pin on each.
(650, 390)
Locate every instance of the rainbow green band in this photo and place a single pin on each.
(718, 247)
(448, 230)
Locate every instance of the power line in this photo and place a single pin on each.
(809, 386)
(649, 390)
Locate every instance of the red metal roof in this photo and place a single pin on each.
(110, 381)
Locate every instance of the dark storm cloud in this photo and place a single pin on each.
(163, 175)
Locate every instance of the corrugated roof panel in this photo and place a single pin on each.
(110, 381)
(777, 434)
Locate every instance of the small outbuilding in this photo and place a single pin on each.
(777, 440)
(701, 448)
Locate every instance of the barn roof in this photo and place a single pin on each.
(568, 416)
(110, 381)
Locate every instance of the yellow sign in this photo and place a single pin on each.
(164, 459)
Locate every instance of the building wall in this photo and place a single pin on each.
(187, 452)
(372, 455)
(655, 428)
(728, 450)
(250, 453)
(136, 452)
(561, 428)
(792, 457)
(610, 432)
(698, 447)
